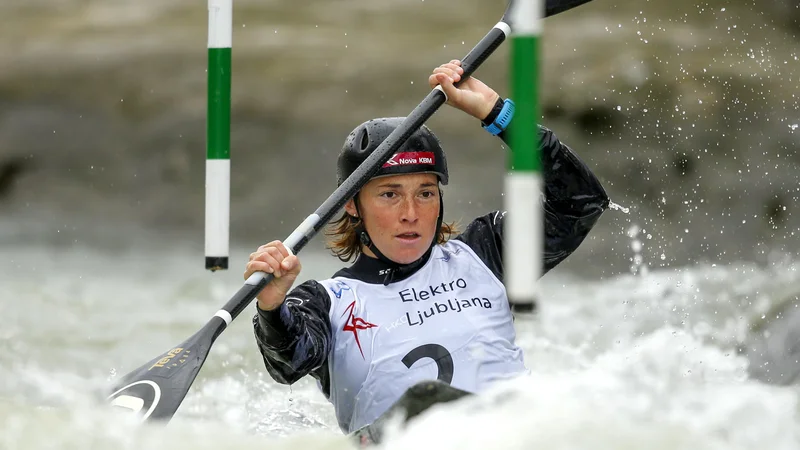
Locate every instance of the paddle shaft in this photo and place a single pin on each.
(436, 98)
(316, 221)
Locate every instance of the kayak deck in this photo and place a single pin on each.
(416, 400)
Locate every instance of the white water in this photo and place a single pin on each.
(638, 361)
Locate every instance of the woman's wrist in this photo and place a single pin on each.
(493, 112)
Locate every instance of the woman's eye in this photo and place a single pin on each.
(427, 194)
(388, 194)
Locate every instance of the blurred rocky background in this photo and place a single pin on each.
(687, 110)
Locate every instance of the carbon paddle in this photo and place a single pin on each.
(156, 389)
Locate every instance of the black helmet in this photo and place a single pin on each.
(420, 153)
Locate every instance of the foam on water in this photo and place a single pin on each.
(645, 360)
(664, 391)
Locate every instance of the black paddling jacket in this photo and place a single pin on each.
(295, 338)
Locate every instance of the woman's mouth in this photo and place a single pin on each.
(408, 237)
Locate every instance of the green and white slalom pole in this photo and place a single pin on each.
(523, 184)
(218, 134)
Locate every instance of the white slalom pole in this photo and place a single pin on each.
(523, 184)
(218, 134)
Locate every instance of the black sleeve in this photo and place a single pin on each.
(295, 338)
(574, 200)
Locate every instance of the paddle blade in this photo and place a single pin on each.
(155, 390)
(553, 7)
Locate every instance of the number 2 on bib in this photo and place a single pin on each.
(444, 362)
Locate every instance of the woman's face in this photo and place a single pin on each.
(400, 213)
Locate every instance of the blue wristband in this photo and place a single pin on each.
(503, 118)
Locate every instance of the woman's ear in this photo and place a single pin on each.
(350, 208)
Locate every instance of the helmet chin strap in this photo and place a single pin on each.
(395, 267)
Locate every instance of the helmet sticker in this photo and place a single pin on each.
(410, 158)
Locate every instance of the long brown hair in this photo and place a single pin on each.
(344, 242)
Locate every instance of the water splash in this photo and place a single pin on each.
(618, 207)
